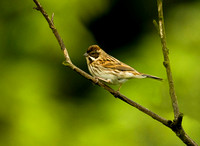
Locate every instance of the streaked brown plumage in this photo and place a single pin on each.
(110, 70)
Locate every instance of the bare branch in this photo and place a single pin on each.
(176, 126)
(54, 30)
(166, 59)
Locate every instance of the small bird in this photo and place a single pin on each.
(110, 70)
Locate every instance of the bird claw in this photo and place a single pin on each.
(96, 80)
(119, 88)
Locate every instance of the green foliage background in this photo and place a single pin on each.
(44, 103)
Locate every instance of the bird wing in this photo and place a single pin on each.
(113, 63)
(118, 66)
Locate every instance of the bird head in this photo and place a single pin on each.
(93, 52)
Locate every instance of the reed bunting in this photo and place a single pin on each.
(110, 70)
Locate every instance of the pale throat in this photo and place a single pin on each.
(92, 58)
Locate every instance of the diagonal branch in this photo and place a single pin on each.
(175, 125)
(53, 28)
(92, 79)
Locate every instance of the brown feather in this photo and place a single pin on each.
(113, 63)
(118, 67)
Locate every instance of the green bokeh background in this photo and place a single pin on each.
(43, 103)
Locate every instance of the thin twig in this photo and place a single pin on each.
(166, 60)
(52, 16)
(176, 126)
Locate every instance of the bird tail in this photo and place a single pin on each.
(153, 77)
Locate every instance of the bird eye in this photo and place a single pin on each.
(92, 53)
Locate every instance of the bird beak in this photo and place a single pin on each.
(86, 55)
